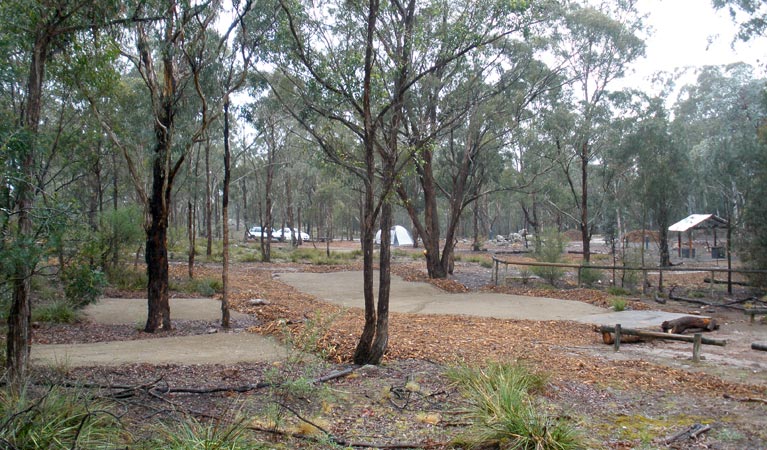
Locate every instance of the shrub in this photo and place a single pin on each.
(56, 312)
(82, 284)
(503, 410)
(127, 279)
(57, 420)
(207, 287)
(549, 249)
(590, 276)
(617, 290)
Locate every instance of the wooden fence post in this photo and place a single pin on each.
(617, 343)
(698, 338)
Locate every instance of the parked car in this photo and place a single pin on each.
(257, 232)
(286, 235)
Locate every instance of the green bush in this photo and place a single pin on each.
(57, 420)
(549, 248)
(618, 304)
(590, 276)
(505, 414)
(56, 312)
(617, 290)
(127, 279)
(207, 287)
(82, 284)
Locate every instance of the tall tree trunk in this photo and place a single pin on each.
(363, 354)
(115, 193)
(584, 225)
(157, 236)
(191, 235)
(289, 209)
(475, 223)
(225, 220)
(19, 318)
(208, 205)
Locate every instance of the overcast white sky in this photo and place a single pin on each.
(691, 33)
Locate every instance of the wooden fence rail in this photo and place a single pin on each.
(579, 267)
(697, 339)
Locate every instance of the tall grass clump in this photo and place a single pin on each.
(58, 420)
(320, 257)
(59, 311)
(192, 434)
(505, 414)
(548, 249)
(207, 286)
(125, 278)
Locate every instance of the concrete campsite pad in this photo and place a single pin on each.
(119, 311)
(345, 288)
(217, 348)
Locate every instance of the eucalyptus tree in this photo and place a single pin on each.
(34, 34)
(751, 15)
(659, 168)
(597, 45)
(465, 109)
(171, 54)
(355, 65)
(719, 119)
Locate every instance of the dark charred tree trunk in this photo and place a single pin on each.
(225, 220)
(158, 317)
(208, 203)
(192, 238)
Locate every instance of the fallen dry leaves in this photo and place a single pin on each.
(463, 339)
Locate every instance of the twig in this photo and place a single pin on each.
(691, 432)
(745, 399)
(345, 443)
(671, 296)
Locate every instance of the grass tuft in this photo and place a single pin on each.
(59, 311)
(58, 419)
(505, 414)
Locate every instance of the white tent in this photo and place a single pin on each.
(399, 236)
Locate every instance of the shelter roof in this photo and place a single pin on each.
(699, 221)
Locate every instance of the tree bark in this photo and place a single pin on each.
(19, 318)
(225, 220)
(584, 225)
(363, 353)
(208, 203)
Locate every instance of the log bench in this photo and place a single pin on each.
(697, 339)
(754, 312)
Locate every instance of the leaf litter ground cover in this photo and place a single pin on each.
(617, 402)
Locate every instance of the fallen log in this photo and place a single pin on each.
(659, 335)
(759, 346)
(682, 324)
(737, 283)
(609, 339)
(696, 301)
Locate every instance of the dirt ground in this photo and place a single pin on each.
(630, 399)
